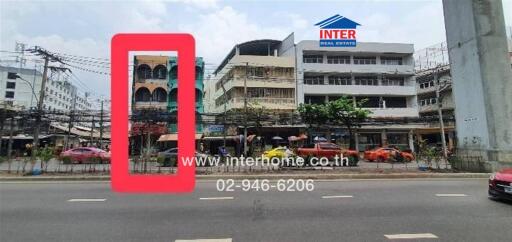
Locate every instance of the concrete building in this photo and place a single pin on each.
(382, 73)
(269, 77)
(429, 106)
(155, 90)
(172, 105)
(60, 93)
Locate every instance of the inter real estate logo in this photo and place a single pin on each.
(337, 31)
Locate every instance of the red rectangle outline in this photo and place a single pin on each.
(121, 179)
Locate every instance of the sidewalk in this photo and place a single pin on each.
(271, 176)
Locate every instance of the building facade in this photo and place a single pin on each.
(24, 92)
(381, 73)
(257, 65)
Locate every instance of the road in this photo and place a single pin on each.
(352, 210)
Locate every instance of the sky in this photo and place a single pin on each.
(85, 28)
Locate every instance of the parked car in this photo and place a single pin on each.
(327, 150)
(500, 184)
(387, 154)
(169, 157)
(83, 155)
(279, 152)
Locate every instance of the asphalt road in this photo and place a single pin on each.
(355, 210)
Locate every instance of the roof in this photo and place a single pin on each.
(23, 71)
(337, 22)
(80, 132)
(253, 47)
(174, 137)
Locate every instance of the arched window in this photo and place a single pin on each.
(199, 72)
(160, 72)
(173, 95)
(199, 96)
(142, 95)
(144, 71)
(159, 95)
(174, 73)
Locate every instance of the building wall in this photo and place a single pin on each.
(270, 82)
(60, 93)
(390, 82)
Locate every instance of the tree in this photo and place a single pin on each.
(313, 115)
(344, 111)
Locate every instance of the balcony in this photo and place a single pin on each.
(393, 112)
(150, 105)
(269, 103)
(348, 68)
(360, 90)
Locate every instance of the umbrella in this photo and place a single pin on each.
(277, 138)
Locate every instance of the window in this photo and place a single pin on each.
(394, 81)
(256, 72)
(11, 85)
(12, 75)
(9, 94)
(394, 102)
(366, 81)
(314, 80)
(428, 101)
(338, 59)
(340, 80)
(391, 60)
(313, 59)
(365, 60)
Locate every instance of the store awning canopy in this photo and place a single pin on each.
(174, 137)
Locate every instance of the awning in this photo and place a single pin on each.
(174, 137)
(212, 138)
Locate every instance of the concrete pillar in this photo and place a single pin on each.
(356, 140)
(450, 140)
(482, 78)
(275, 52)
(384, 138)
(411, 140)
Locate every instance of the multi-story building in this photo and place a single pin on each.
(172, 105)
(268, 77)
(149, 95)
(155, 89)
(427, 87)
(24, 92)
(381, 73)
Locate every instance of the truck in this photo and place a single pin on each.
(327, 150)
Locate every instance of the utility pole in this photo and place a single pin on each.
(245, 108)
(35, 144)
(9, 145)
(440, 111)
(225, 108)
(47, 58)
(101, 125)
(70, 121)
(91, 140)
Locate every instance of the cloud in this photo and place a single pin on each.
(217, 32)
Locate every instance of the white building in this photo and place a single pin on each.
(24, 92)
(269, 77)
(382, 73)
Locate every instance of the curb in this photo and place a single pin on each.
(270, 176)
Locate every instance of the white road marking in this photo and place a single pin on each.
(411, 236)
(338, 196)
(87, 200)
(216, 198)
(204, 240)
(451, 195)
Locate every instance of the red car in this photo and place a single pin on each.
(500, 184)
(86, 155)
(384, 154)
